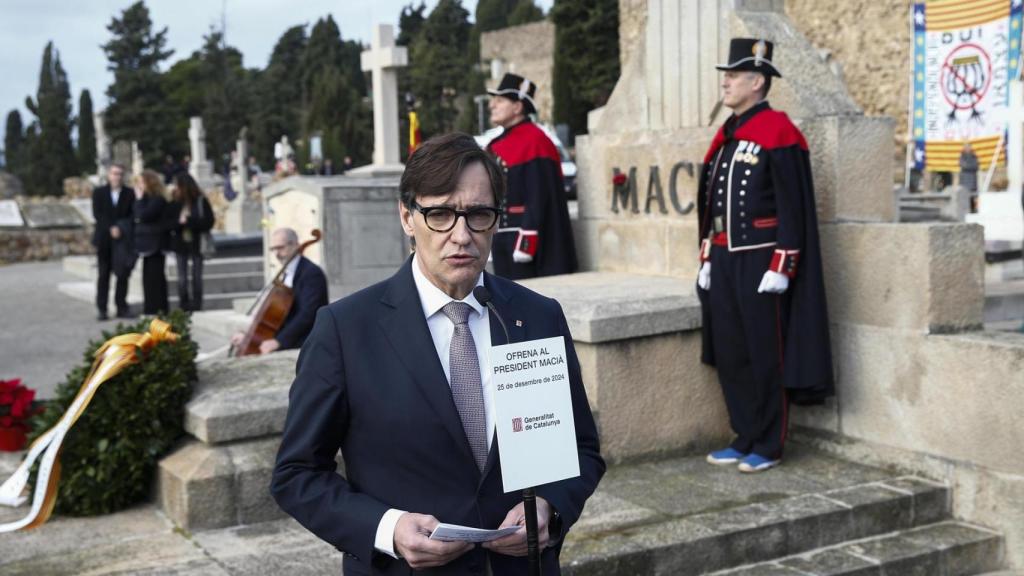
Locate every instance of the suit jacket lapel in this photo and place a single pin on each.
(406, 330)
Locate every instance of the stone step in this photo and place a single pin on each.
(221, 282)
(84, 267)
(241, 398)
(947, 548)
(202, 486)
(771, 517)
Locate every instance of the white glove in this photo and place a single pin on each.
(520, 257)
(704, 276)
(773, 283)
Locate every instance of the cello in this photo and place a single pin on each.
(272, 306)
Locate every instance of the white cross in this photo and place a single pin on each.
(383, 59)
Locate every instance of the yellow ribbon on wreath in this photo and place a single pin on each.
(111, 358)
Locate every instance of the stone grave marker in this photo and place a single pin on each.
(10, 215)
(51, 215)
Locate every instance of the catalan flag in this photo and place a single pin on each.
(415, 136)
(964, 53)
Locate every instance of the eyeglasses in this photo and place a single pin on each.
(443, 218)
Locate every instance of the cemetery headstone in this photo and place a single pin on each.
(10, 215)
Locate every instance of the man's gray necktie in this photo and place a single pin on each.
(465, 381)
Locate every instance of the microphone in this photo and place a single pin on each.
(483, 296)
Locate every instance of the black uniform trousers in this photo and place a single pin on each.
(105, 265)
(748, 331)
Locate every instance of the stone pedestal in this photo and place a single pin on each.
(221, 475)
(243, 216)
(362, 241)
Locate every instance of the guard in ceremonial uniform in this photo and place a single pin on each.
(760, 283)
(534, 237)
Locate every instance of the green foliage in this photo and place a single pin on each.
(110, 456)
(497, 14)
(586, 58)
(332, 88)
(224, 85)
(278, 95)
(49, 157)
(86, 134)
(14, 140)
(439, 61)
(139, 109)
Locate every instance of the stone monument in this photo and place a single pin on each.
(104, 155)
(244, 212)
(362, 243)
(383, 60)
(138, 163)
(200, 168)
(920, 385)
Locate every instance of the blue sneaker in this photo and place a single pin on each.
(725, 457)
(754, 463)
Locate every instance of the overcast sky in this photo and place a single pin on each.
(79, 28)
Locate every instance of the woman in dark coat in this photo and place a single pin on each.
(192, 217)
(151, 239)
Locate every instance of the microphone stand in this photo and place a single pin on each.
(483, 296)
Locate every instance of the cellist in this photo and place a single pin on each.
(309, 287)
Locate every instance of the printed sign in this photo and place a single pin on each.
(533, 413)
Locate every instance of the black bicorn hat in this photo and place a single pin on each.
(515, 87)
(751, 54)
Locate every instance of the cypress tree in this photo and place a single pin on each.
(14, 140)
(86, 134)
(139, 109)
(50, 158)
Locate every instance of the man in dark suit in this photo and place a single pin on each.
(397, 377)
(309, 289)
(112, 210)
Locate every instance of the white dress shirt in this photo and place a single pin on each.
(433, 299)
(115, 194)
(289, 272)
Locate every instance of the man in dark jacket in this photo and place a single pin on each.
(535, 236)
(112, 210)
(309, 288)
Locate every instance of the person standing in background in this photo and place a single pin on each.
(969, 173)
(112, 210)
(193, 217)
(150, 230)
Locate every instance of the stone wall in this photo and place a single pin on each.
(870, 39)
(527, 50)
(28, 245)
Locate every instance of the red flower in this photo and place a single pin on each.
(9, 385)
(22, 402)
(6, 421)
(619, 179)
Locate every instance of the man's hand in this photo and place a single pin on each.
(413, 543)
(515, 544)
(773, 283)
(704, 276)
(268, 346)
(115, 232)
(236, 338)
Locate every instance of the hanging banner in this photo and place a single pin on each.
(964, 53)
